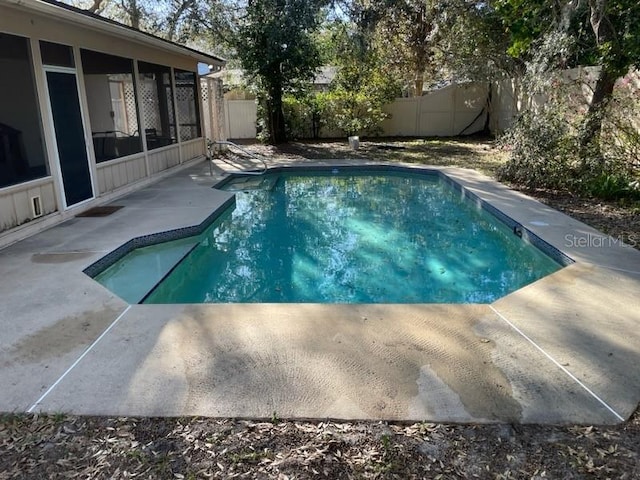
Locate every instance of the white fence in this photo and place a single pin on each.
(447, 112)
(450, 111)
(241, 118)
(509, 98)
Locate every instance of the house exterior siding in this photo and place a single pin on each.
(108, 176)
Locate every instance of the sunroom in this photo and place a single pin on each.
(90, 109)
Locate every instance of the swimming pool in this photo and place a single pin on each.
(338, 236)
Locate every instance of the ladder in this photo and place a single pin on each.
(211, 144)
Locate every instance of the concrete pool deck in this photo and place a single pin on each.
(564, 349)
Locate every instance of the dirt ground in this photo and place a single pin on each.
(65, 446)
(59, 446)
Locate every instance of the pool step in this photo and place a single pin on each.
(245, 184)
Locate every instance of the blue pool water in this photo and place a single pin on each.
(337, 238)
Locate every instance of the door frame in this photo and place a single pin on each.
(51, 125)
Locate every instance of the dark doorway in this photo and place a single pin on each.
(72, 149)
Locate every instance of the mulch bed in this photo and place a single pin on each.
(99, 448)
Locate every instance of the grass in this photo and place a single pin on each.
(477, 153)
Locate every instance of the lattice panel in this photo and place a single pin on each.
(150, 111)
(204, 89)
(187, 112)
(169, 98)
(130, 107)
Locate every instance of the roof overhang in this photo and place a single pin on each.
(77, 16)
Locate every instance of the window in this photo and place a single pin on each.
(113, 112)
(157, 105)
(22, 156)
(187, 105)
(56, 54)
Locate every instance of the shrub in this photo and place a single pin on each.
(304, 116)
(354, 112)
(610, 186)
(544, 147)
(542, 150)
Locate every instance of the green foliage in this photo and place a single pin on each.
(365, 81)
(275, 45)
(296, 117)
(473, 42)
(621, 128)
(305, 116)
(620, 50)
(541, 150)
(544, 149)
(593, 155)
(364, 84)
(525, 21)
(614, 44)
(610, 186)
(354, 112)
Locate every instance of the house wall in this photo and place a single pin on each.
(34, 25)
(15, 202)
(164, 158)
(192, 148)
(120, 172)
(109, 177)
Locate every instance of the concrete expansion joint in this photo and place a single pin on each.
(74, 364)
(559, 365)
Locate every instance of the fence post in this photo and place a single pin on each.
(418, 104)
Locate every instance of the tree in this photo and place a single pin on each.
(605, 33)
(616, 28)
(436, 40)
(366, 80)
(274, 42)
(409, 31)
(96, 7)
(472, 42)
(175, 20)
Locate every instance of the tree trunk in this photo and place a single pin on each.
(96, 7)
(418, 84)
(133, 11)
(589, 138)
(275, 115)
(592, 125)
(174, 18)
